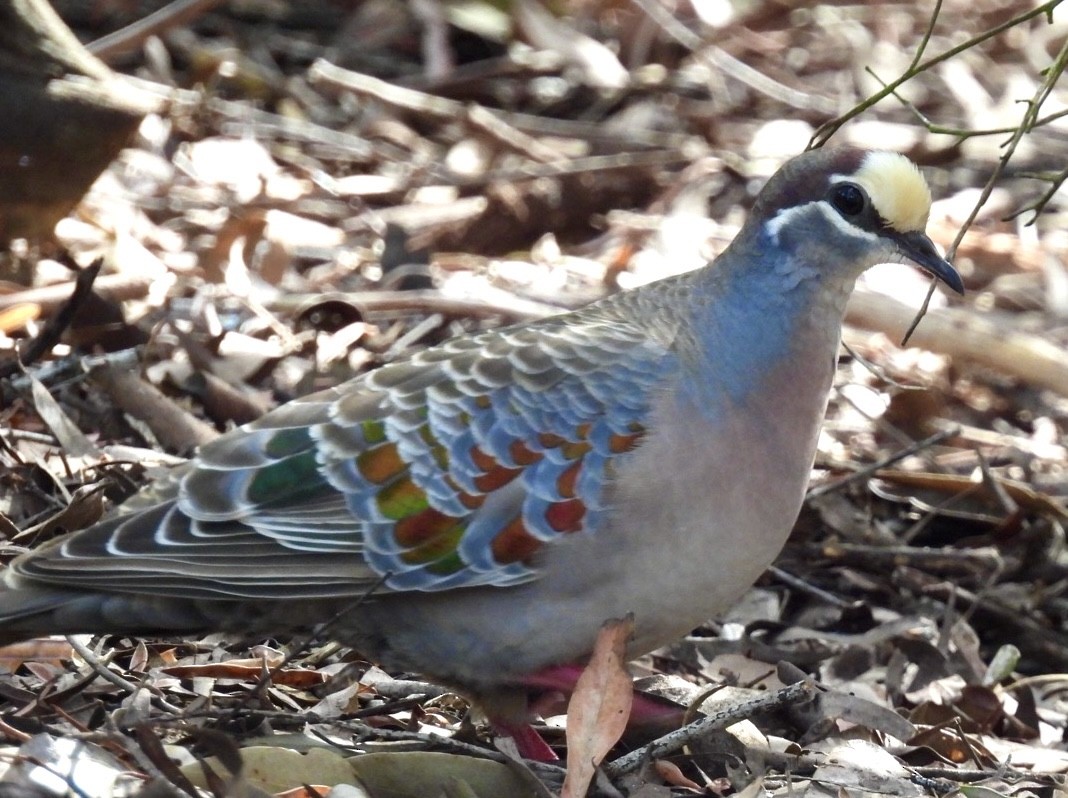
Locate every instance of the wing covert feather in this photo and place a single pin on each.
(452, 468)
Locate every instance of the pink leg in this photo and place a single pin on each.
(645, 709)
(649, 710)
(528, 741)
(548, 685)
(558, 677)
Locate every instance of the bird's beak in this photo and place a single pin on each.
(917, 247)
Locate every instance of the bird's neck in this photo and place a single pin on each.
(765, 331)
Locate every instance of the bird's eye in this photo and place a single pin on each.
(848, 199)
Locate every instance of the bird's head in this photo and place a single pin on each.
(840, 211)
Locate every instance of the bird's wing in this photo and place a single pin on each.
(450, 469)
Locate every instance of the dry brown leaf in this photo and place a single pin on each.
(45, 649)
(671, 773)
(86, 507)
(600, 706)
(953, 484)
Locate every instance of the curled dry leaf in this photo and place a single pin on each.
(671, 773)
(600, 706)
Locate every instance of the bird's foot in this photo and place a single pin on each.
(645, 710)
(530, 744)
(549, 690)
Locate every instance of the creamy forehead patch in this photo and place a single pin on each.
(897, 190)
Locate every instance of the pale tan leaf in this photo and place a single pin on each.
(600, 706)
(40, 650)
(405, 774)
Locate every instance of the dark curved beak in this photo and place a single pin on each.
(917, 247)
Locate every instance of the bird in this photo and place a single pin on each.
(476, 511)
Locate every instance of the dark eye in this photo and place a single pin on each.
(848, 199)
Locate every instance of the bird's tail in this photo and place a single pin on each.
(35, 611)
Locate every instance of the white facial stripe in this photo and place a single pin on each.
(780, 220)
(844, 227)
(774, 225)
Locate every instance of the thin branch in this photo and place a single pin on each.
(1026, 125)
(828, 129)
(133, 36)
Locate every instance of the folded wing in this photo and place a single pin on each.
(453, 468)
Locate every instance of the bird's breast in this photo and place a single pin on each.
(703, 506)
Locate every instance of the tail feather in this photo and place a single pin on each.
(34, 611)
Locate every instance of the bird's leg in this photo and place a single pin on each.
(509, 711)
(529, 743)
(549, 688)
(645, 710)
